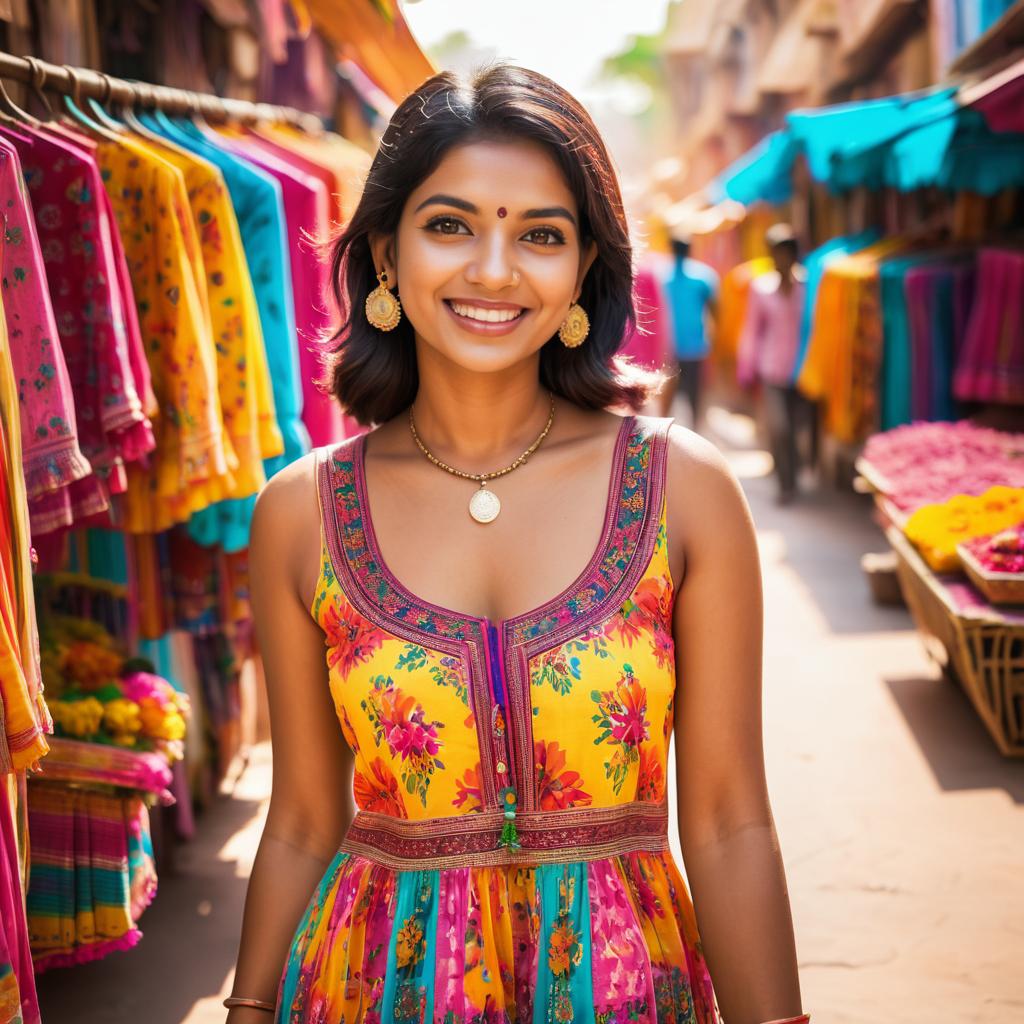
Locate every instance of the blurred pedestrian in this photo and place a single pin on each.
(692, 291)
(768, 350)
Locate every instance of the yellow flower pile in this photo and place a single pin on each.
(936, 530)
(94, 698)
(81, 718)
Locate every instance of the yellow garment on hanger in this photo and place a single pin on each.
(845, 347)
(242, 373)
(158, 233)
(24, 717)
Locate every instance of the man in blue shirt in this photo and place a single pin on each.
(691, 290)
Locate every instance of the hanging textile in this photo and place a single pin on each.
(991, 363)
(844, 355)
(307, 213)
(75, 233)
(241, 370)
(257, 201)
(25, 718)
(190, 464)
(49, 430)
(18, 1001)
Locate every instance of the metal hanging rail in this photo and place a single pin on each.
(74, 82)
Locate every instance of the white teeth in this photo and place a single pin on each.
(491, 316)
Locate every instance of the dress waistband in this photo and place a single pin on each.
(546, 837)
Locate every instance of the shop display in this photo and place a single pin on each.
(929, 463)
(937, 530)
(160, 344)
(995, 564)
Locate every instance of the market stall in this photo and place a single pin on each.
(165, 321)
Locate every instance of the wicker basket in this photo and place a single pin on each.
(998, 587)
(982, 649)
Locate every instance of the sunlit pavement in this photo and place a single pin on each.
(900, 825)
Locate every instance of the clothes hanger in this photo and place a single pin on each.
(36, 83)
(72, 110)
(141, 93)
(11, 109)
(98, 107)
(161, 116)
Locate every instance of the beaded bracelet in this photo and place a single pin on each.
(253, 1004)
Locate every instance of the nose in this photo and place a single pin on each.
(493, 265)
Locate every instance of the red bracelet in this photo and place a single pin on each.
(804, 1018)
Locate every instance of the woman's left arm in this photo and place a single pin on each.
(726, 829)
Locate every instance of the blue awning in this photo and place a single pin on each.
(902, 142)
(846, 144)
(763, 173)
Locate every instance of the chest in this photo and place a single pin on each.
(548, 531)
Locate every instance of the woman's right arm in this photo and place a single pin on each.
(311, 803)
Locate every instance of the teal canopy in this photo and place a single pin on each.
(763, 173)
(902, 142)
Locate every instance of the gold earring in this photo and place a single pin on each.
(575, 327)
(383, 309)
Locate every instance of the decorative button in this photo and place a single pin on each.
(502, 767)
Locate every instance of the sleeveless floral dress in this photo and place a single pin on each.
(509, 860)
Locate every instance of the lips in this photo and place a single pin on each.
(488, 318)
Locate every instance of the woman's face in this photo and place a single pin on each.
(487, 257)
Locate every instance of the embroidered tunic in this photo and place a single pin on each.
(557, 720)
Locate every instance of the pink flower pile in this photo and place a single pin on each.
(928, 463)
(1001, 552)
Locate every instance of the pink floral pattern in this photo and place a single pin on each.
(401, 722)
(621, 719)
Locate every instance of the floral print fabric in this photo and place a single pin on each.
(24, 718)
(158, 234)
(242, 375)
(76, 234)
(578, 695)
(49, 430)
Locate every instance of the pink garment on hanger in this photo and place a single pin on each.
(49, 431)
(123, 285)
(14, 945)
(990, 365)
(76, 236)
(307, 213)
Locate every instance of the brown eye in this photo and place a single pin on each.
(446, 226)
(545, 236)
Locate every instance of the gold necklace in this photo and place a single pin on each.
(484, 506)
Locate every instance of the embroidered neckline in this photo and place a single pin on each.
(363, 553)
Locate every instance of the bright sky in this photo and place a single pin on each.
(563, 39)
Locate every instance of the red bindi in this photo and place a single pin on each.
(502, 212)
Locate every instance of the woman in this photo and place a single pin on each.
(507, 860)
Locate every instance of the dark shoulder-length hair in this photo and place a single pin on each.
(374, 374)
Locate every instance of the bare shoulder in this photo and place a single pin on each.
(289, 497)
(286, 523)
(706, 508)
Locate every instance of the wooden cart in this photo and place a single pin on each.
(979, 645)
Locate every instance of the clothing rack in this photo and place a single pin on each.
(41, 76)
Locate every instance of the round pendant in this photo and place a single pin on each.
(484, 505)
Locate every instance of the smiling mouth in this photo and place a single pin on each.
(485, 314)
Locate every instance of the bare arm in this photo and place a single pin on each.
(726, 830)
(310, 805)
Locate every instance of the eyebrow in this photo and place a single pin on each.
(462, 204)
